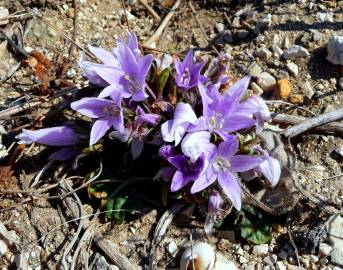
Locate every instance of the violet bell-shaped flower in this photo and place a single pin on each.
(223, 166)
(149, 118)
(188, 72)
(55, 136)
(175, 129)
(107, 112)
(129, 78)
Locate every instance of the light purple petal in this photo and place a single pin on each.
(204, 181)
(184, 112)
(107, 91)
(238, 122)
(106, 57)
(92, 107)
(199, 125)
(271, 169)
(167, 131)
(180, 131)
(89, 71)
(197, 143)
(231, 188)
(178, 182)
(238, 89)
(243, 163)
(150, 118)
(55, 136)
(99, 128)
(228, 148)
(167, 151)
(144, 65)
(122, 136)
(188, 61)
(206, 100)
(215, 202)
(137, 146)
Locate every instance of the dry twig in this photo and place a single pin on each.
(163, 25)
(333, 127)
(313, 122)
(150, 9)
(75, 27)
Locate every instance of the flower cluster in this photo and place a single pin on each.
(191, 110)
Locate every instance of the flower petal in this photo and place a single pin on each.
(204, 181)
(178, 182)
(106, 57)
(243, 163)
(100, 127)
(184, 112)
(107, 91)
(231, 187)
(238, 89)
(229, 147)
(55, 136)
(271, 169)
(92, 107)
(238, 122)
(197, 143)
(137, 146)
(64, 154)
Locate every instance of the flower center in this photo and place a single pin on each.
(133, 85)
(221, 164)
(186, 76)
(112, 110)
(216, 122)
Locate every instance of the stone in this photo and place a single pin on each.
(277, 51)
(258, 91)
(325, 16)
(339, 151)
(284, 88)
(307, 89)
(316, 35)
(260, 249)
(242, 33)
(295, 52)
(220, 27)
(292, 68)
(264, 53)
(172, 249)
(223, 264)
(130, 16)
(254, 69)
(101, 264)
(263, 24)
(296, 99)
(71, 73)
(282, 74)
(335, 232)
(313, 258)
(266, 81)
(335, 50)
(236, 23)
(280, 266)
(286, 43)
(243, 260)
(4, 13)
(305, 262)
(270, 260)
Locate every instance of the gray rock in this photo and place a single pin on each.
(280, 266)
(172, 249)
(71, 73)
(295, 52)
(325, 16)
(256, 89)
(254, 69)
(316, 35)
(324, 249)
(4, 13)
(264, 53)
(335, 231)
(242, 33)
(282, 74)
(292, 68)
(339, 150)
(102, 264)
(260, 249)
(335, 50)
(286, 43)
(220, 27)
(277, 51)
(266, 81)
(307, 89)
(341, 83)
(270, 260)
(236, 23)
(263, 24)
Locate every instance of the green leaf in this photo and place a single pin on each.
(161, 80)
(255, 227)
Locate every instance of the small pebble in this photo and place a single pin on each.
(294, 52)
(260, 249)
(264, 53)
(254, 69)
(325, 249)
(341, 83)
(270, 260)
(292, 68)
(335, 50)
(172, 249)
(280, 266)
(277, 51)
(266, 81)
(220, 27)
(284, 88)
(4, 13)
(71, 73)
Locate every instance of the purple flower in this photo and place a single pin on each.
(187, 72)
(55, 136)
(223, 166)
(163, 62)
(186, 170)
(269, 167)
(167, 151)
(175, 129)
(215, 202)
(197, 143)
(150, 118)
(129, 78)
(107, 112)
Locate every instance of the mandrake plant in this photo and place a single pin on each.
(184, 124)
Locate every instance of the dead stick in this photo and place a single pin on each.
(110, 250)
(209, 43)
(313, 122)
(75, 27)
(6, 114)
(285, 119)
(150, 9)
(163, 25)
